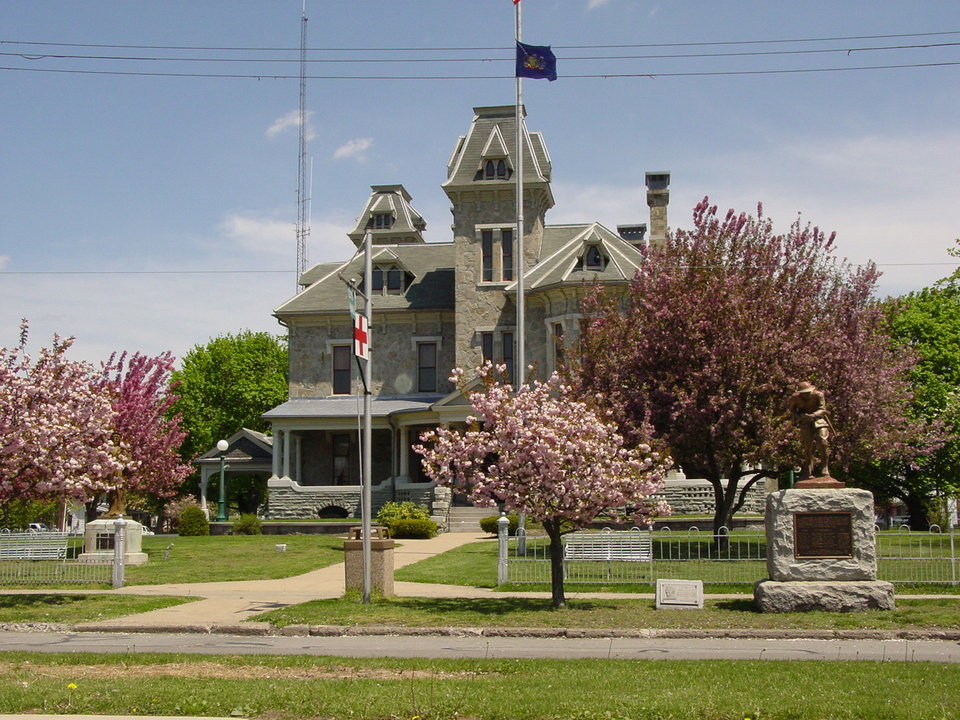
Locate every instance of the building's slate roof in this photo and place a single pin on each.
(564, 245)
(346, 406)
(408, 224)
(493, 132)
(432, 287)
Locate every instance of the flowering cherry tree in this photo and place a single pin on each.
(718, 329)
(139, 388)
(542, 452)
(56, 429)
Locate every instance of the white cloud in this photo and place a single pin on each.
(290, 121)
(596, 3)
(259, 234)
(4, 259)
(356, 148)
(889, 198)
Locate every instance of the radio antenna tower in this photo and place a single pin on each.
(303, 191)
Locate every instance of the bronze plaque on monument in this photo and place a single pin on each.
(823, 535)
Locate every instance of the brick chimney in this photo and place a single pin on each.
(658, 197)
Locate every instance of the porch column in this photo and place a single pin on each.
(277, 450)
(286, 453)
(405, 451)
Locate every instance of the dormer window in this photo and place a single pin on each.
(382, 221)
(390, 280)
(495, 170)
(592, 259)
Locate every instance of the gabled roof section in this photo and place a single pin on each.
(564, 252)
(244, 446)
(390, 217)
(496, 147)
(431, 288)
(493, 134)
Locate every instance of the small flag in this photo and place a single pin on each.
(536, 61)
(361, 338)
(516, 2)
(352, 301)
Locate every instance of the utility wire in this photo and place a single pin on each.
(274, 272)
(466, 48)
(565, 58)
(651, 75)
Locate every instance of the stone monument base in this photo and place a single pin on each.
(771, 596)
(98, 541)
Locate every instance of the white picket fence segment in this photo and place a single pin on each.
(47, 559)
(33, 546)
(740, 558)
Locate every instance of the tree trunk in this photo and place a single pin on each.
(552, 528)
(917, 507)
(722, 513)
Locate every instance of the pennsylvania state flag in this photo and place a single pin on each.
(536, 61)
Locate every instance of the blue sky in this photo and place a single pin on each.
(121, 182)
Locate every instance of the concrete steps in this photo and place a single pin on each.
(467, 519)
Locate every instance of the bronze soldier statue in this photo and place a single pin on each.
(809, 411)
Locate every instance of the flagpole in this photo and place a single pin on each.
(520, 372)
(366, 497)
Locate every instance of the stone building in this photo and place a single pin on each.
(437, 306)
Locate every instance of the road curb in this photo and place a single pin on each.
(265, 629)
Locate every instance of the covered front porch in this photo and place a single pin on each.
(317, 454)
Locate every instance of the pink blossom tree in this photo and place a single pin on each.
(719, 327)
(542, 452)
(141, 396)
(56, 429)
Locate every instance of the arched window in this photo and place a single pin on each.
(489, 170)
(593, 258)
(501, 170)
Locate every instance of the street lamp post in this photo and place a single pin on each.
(222, 446)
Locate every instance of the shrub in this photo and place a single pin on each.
(413, 528)
(193, 522)
(489, 524)
(393, 511)
(248, 524)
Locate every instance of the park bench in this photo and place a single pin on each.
(634, 545)
(33, 546)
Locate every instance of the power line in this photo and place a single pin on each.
(143, 272)
(473, 48)
(652, 75)
(274, 272)
(566, 58)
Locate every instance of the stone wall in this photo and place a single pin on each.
(288, 500)
(695, 497)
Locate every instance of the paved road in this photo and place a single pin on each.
(490, 647)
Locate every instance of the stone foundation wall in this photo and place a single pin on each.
(695, 497)
(288, 500)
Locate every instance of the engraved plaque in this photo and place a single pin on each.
(823, 535)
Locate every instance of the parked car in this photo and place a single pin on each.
(38, 527)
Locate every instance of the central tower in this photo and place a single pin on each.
(481, 185)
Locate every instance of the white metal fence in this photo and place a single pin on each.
(728, 557)
(44, 558)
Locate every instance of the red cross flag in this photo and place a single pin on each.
(361, 337)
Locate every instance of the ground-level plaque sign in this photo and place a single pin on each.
(823, 535)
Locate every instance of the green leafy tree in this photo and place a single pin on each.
(927, 323)
(228, 384)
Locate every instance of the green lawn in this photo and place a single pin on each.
(45, 608)
(290, 688)
(604, 614)
(232, 557)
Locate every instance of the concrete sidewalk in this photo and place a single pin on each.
(226, 604)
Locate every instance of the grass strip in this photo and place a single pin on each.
(289, 688)
(232, 557)
(584, 613)
(70, 609)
